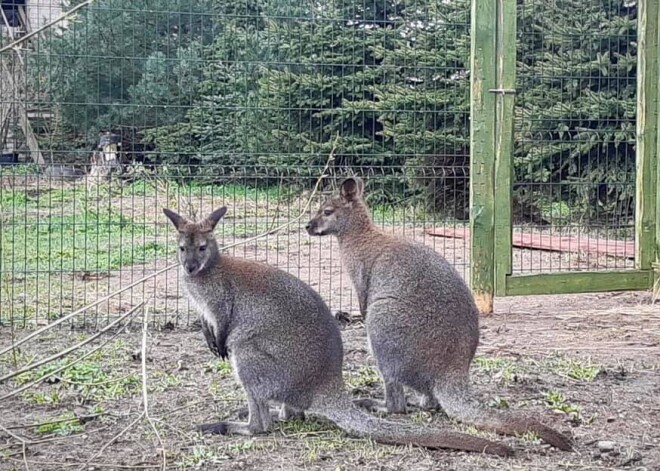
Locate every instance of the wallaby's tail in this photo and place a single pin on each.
(458, 404)
(341, 410)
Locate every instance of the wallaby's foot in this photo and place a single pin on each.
(226, 428)
(282, 414)
(289, 413)
(377, 406)
(372, 405)
(428, 402)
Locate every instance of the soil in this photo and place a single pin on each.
(525, 348)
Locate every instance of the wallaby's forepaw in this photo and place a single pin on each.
(218, 428)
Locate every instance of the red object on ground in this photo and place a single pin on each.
(552, 243)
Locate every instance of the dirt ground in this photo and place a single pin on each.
(588, 365)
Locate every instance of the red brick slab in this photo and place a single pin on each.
(552, 243)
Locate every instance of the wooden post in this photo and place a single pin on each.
(482, 155)
(647, 203)
(505, 97)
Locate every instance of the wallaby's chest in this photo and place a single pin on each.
(207, 305)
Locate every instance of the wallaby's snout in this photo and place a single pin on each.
(191, 266)
(311, 227)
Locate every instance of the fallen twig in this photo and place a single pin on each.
(62, 368)
(23, 443)
(73, 347)
(111, 441)
(145, 393)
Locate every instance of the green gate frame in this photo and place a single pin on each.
(493, 68)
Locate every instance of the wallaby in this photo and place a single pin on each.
(283, 344)
(421, 319)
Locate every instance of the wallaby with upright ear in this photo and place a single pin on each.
(421, 319)
(283, 343)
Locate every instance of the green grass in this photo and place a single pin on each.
(364, 377)
(505, 369)
(88, 241)
(64, 424)
(87, 379)
(221, 368)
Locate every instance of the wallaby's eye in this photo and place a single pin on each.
(202, 248)
(328, 211)
(182, 249)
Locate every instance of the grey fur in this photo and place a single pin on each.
(283, 343)
(421, 319)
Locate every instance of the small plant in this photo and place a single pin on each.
(498, 368)
(530, 437)
(420, 417)
(557, 403)
(219, 367)
(43, 398)
(200, 457)
(162, 381)
(65, 424)
(366, 376)
(499, 403)
(578, 370)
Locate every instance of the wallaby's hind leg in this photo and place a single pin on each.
(259, 421)
(395, 400)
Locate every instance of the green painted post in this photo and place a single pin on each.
(505, 96)
(647, 203)
(482, 152)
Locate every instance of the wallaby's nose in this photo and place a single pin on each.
(190, 267)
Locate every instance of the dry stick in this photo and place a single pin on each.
(64, 16)
(23, 443)
(59, 421)
(331, 158)
(112, 440)
(96, 465)
(82, 309)
(62, 368)
(145, 393)
(100, 383)
(72, 348)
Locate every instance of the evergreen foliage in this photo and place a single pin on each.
(270, 84)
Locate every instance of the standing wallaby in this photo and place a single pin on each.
(421, 319)
(283, 343)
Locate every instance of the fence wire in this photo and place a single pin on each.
(575, 134)
(133, 105)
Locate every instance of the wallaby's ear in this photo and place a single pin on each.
(351, 188)
(213, 218)
(177, 220)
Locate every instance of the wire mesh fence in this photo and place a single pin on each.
(130, 106)
(68, 243)
(575, 134)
